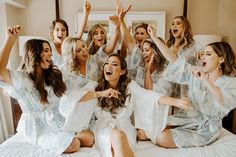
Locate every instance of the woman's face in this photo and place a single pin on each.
(59, 33)
(177, 27)
(140, 35)
(45, 55)
(210, 60)
(112, 69)
(147, 52)
(99, 36)
(81, 52)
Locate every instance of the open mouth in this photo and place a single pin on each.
(204, 64)
(48, 61)
(140, 40)
(60, 37)
(175, 31)
(145, 58)
(108, 73)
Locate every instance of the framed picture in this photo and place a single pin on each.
(157, 19)
(97, 17)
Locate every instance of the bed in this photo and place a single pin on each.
(225, 146)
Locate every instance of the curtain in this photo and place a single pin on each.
(3, 123)
(6, 120)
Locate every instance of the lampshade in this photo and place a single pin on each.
(205, 39)
(24, 39)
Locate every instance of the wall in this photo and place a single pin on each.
(8, 16)
(226, 23)
(227, 28)
(69, 8)
(203, 16)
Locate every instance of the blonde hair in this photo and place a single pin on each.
(89, 41)
(68, 52)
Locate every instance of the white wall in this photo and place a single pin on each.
(6, 20)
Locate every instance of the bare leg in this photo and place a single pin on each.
(120, 144)
(165, 139)
(86, 138)
(74, 146)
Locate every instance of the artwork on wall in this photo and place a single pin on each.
(157, 19)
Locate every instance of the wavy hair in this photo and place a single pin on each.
(223, 49)
(51, 76)
(188, 34)
(89, 41)
(113, 104)
(69, 57)
(159, 60)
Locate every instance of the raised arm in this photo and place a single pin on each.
(11, 35)
(216, 92)
(127, 37)
(86, 10)
(166, 52)
(148, 83)
(111, 45)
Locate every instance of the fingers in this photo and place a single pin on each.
(14, 30)
(184, 103)
(111, 93)
(128, 9)
(198, 54)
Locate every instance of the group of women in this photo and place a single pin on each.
(74, 93)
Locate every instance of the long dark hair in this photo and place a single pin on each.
(51, 76)
(188, 34)
(112, 104)
(223, 49)
(159, 60)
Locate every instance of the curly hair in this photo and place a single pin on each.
(159, 60)
(113, 104)
(223, 49)
(51, 76)
(69, 57)
(188, 34)
(89, 41)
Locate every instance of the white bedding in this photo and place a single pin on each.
(225, 146)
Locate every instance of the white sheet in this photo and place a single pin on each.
(225, 146)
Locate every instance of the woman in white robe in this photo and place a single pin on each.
(118, 98)
(38, 87)
(212, 90)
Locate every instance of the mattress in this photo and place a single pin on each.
(225, 146)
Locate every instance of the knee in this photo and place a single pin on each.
(74, 146)
(141, 135)
(165, 139)
(160, 140)
(118, 136)
(89, 138)
(86, 138)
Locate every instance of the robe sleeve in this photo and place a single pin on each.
(77, 114)
(148, 114)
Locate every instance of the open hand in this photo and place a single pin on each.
(184, 103)
(110, 93)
